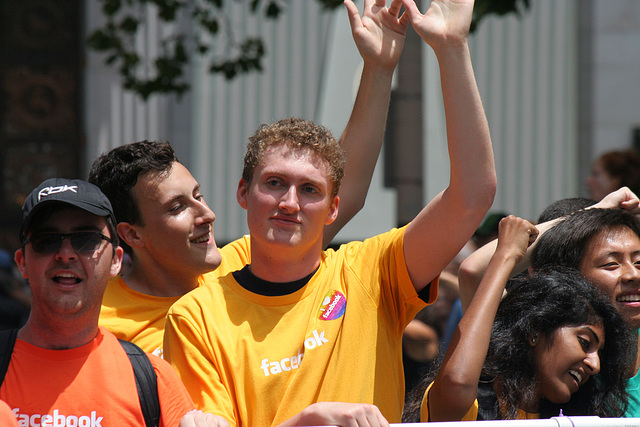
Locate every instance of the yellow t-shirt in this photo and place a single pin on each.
(139, 318)
(471, 415)
(258, 360)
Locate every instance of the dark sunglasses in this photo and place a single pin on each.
(81, 241)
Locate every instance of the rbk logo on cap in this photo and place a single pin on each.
(74, 192)
(54, 190)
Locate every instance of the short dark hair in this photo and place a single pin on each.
(564, 207)
(566, 243)
(116, 172)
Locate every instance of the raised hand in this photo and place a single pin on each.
(622, 198)
(446, 22)
(515, 235)
(379, 33)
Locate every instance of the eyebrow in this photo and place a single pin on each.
(309, 180)
(180, 196)
(593, 333)
(615, 254)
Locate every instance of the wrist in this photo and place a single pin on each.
(378, 71)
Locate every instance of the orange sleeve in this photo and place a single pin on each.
(174, 398)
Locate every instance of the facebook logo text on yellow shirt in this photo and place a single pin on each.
(293, 362)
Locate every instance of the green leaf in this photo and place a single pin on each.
(99, 40)
(129, 25)
(111, 7)
(273, 10)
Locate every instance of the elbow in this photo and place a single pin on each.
(475, 192)
(469, 272)
(485, 193)
(454, 400)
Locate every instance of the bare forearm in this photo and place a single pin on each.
(362, 140)
(462, 366)
(473, 175)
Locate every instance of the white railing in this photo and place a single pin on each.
(551, 422)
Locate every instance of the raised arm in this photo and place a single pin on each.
(474, 267)
(379, 35)
(456, 386)
(441, 229)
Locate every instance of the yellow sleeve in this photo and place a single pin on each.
(471, 415)
(235, 256)
(187, 350)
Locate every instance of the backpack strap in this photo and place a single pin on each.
(146, 382)
(7, 341)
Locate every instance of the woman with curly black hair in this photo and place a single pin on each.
(553, 343)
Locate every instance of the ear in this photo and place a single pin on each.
(129, 234)
(241, 193)
(530, 271)
(116, 262)
(21, 262)
(333, 211)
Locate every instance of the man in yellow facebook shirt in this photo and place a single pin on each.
(167, 227)
(298, 325)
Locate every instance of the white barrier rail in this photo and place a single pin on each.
(550, 422)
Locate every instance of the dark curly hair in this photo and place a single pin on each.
(298, 134)
(540, 305)
(116, 172)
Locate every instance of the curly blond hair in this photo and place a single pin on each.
(297, 134)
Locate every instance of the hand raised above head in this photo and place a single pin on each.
(622, 198)
(446, 22)
(516, 235)
(379, 33)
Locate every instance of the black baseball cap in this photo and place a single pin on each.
(74, 192)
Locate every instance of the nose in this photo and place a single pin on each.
(630, 272)
(205, 214)
(592, 362)
(289, 202)
(66, 251)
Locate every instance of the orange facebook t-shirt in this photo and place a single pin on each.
(92, 385)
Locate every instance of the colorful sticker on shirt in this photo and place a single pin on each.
(333, 306)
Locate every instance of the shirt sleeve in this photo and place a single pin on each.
(175, 402)
(471, 415)
(187, 351)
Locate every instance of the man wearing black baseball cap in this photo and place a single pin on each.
(64, 369)
(72, 192)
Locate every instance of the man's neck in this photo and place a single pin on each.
(58, 333)
(279, 266)
(149, 278)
